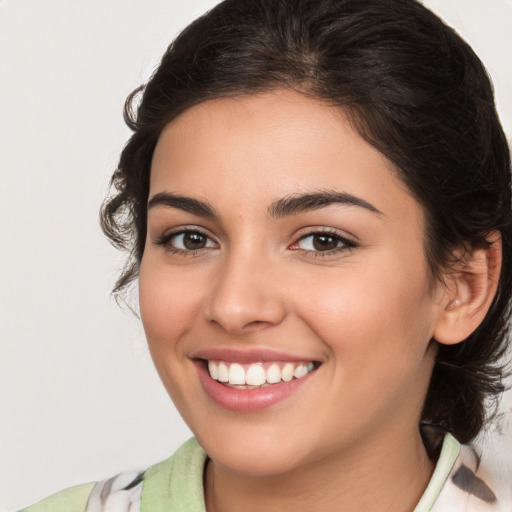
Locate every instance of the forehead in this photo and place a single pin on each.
(254, 149)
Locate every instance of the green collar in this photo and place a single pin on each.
(177, 483)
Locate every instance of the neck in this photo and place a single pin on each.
(362, 478)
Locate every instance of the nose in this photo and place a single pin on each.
(245, 296)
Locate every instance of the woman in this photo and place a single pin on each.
(316, 201)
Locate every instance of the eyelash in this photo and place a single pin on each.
(346, 243)
(165, 241)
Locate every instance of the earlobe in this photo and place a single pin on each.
(469, 292)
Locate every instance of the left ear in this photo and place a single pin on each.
(469, 291)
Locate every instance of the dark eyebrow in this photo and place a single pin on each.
(187, 204)
(298, 203)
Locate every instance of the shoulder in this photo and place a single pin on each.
(471, 484)
(173, 481)
(73, 499)
(120, 493)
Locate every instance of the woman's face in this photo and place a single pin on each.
(282, 246)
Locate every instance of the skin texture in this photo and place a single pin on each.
(349, 438)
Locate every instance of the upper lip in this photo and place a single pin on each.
(247, 356)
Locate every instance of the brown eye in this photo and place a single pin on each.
(325, 242)
(194, 241)
(185, 241)
(320, 242)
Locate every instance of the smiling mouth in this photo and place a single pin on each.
(257, 375)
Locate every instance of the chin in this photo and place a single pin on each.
(255, 462)
(256, 451)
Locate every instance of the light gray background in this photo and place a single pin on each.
(79, 399)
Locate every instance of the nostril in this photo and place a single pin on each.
(240, 322)
(243, 300)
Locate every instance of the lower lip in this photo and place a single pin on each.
(244, 400)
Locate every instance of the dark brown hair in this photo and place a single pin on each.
(413, 89)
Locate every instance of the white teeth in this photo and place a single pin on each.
(223, 373)
(235, 374)
(213, 369)
(273, 374)
(287, 372)
(300, 371)
(256, 375)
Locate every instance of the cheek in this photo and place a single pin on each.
(377, 328)
(169, 306)
(169, 302)
(382, 314)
